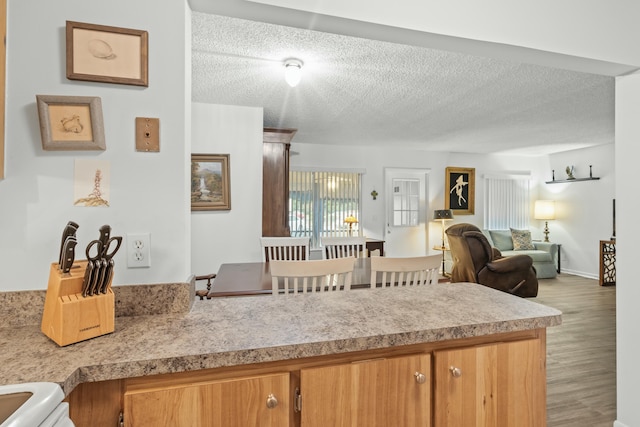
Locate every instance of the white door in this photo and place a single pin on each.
(406, 212)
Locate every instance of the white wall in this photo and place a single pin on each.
(147, 189)
(628, 235)
(229, 236)
(584, 209)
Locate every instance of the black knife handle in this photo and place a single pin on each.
(105, 233)
(100, 270)
(88, 279)
(69, 253)
(108, 276)
(69, 230)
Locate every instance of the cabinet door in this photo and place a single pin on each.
(492, 385)
(227, 403)
(372, 393)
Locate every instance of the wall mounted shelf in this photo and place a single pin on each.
(570, 172)
(558, 181)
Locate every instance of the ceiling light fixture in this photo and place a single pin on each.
(293, 71)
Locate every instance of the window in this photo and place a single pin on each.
(507, 202)
(406, 202)
(320, 201)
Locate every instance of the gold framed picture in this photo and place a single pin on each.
(71, 122)
(210, 186)
(99, 53)
(460, 188)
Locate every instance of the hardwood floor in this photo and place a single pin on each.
(581, 353)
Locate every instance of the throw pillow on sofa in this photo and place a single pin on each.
(501, 240)
(521, 240)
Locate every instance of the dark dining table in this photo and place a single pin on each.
(254, 278)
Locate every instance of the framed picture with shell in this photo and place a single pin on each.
(101, 53)
(71, 122)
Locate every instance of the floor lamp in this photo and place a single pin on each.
(442, 215)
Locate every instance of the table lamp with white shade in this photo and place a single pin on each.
(546, 210)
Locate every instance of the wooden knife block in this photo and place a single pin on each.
(68, 316)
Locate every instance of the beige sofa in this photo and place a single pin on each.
(545, 255)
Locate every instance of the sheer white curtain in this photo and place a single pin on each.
(507, 202)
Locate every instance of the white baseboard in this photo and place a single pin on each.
(581, 274)
(619, 424)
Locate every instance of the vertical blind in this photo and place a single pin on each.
(320, 201)
(507, 203)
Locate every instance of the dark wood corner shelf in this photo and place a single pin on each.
(557, 181)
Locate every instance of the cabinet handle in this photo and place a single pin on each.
(455, 372)
(272, 402)
(420, 377)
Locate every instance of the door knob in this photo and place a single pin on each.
(272, 402)
(455, 372)
(420, 377)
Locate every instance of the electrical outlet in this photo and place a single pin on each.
(138, 250)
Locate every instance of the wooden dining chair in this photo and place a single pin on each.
(285, 248)
(325, 275)
(342, 247)
(205, 292)
(413, 271)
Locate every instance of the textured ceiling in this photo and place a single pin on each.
(365, 92)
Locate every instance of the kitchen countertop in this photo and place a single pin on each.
(237, 331)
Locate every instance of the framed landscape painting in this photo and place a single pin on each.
(210, 186)
(460, 186)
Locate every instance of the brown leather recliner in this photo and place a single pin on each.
(474, 260)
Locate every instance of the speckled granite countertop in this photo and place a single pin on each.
(236, 331)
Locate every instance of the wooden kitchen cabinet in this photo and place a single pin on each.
(96, 404)
(498, 385)
(500, 381)
(238, 402)
(370, 393)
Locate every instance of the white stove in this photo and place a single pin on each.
(33, 405)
